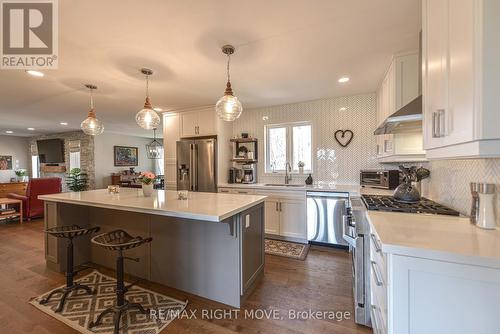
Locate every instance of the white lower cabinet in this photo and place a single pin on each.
(414, 295)
(272, 215)
(285, 211)
(293, 218)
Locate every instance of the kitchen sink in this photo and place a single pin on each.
(282, 185)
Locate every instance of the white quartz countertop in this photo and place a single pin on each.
(213, 207)
(352, 189)
(441, 237)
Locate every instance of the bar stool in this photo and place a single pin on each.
(120, 241)
(69, 232)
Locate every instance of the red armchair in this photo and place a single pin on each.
(32, 206)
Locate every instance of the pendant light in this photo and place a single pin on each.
(155, 148)
(91, 125)
(228, 107)
(147, 118)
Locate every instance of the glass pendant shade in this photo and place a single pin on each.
(228, 107)
(154, 149)
(147, 118)
(91, 125)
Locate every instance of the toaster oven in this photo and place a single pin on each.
(383, 179)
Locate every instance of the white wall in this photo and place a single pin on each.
(17, 147)
(104, 156)
(332, 163)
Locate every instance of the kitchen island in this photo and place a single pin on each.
(210, 245)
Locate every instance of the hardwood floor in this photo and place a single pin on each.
(320, 283)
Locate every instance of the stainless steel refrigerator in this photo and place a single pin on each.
(197, 165)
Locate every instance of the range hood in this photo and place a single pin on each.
(409, 117)
(406, 119)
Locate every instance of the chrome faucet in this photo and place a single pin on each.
(288, 169)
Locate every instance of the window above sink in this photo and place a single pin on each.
(288, 142)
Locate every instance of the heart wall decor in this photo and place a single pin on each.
(342, 138)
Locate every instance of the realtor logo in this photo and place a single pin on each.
(29, 34)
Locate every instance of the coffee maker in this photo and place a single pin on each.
(249, 173)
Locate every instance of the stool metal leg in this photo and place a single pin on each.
(70, 285)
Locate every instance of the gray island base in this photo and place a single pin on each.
(219, 257)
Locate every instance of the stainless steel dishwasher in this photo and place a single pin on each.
(325, 214)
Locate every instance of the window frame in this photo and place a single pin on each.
(289, 147)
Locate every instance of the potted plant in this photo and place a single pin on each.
(147, 180)
(21, 175)
(301, 165)
(77, 180)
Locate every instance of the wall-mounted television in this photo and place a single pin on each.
(50, 151)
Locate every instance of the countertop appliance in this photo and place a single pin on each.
(197, 165)
(249, 173)
(383, 179)
(325, 212)
(388, 203)
(356, 232)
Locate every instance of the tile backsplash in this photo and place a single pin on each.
(449, 181)
(332, 163)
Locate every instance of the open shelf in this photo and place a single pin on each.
(244, 140)
(244, 161)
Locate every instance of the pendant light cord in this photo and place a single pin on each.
(228, 73)
(147, 85)
(91, 98)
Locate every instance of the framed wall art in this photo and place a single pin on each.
(126, 156)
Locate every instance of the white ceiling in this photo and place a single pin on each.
(287, 51)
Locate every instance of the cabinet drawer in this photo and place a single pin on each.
(379, 324)
(377, 256)
(378, 291)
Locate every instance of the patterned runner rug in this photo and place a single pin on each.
(81, 308)
(293, 250)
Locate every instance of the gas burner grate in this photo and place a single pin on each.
(388, 203)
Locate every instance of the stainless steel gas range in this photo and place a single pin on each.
(356, 231)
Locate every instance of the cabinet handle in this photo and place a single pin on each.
(280, 207)
(375, 320)
(378, 248)
(277, 206)
(438, 123)
(378, 280)
(442, 122)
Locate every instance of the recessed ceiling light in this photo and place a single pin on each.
(344, 79)
(157, 109)
(342, 108)
(9, 132)
(63, 123)
(31, 129)
(265, 118)
(35, 73)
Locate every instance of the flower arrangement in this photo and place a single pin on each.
(147, 178)
(20, 172)
(301, 164)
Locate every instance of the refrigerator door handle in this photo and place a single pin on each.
(191, 174)
(195, 165)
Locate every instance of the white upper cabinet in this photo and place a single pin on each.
(200, 122)
(461, 70)
(398, 88)
(171, 134)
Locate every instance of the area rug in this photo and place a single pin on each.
(81, 308)
(289, 249)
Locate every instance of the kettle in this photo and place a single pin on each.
(407, 192)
